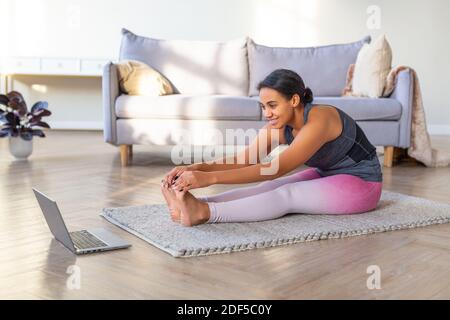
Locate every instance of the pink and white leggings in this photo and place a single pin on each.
(302, 192)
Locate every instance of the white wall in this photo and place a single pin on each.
(417, 31)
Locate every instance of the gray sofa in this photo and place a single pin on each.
(215, 90)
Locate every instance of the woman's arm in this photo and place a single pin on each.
(212, 166)
(310, 138)
(264, 138)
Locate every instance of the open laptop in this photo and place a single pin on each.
(79, 242)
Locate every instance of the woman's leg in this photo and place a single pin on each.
(337, 194)
(304, 175)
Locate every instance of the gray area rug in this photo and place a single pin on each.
(152, 223)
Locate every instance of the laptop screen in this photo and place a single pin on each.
(54, 219)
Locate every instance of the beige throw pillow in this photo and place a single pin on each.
(372, 66)
(137, 78)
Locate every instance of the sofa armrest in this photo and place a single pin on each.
(403, 92)
(110, 92)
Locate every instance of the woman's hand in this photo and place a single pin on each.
(173, 174)
(193, 179)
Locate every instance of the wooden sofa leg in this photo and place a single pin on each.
(125, 154)
(130, 152)
(388, 156)
(394, 155)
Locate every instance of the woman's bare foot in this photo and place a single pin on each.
(193, 211)
(175, 213)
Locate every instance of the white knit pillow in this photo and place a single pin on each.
(371, 68)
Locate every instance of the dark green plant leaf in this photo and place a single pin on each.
(42, 113)
(26, 135)
(40, 124)
(4, 132)
(17, 102)
(38, 132)
(14, 95)
(12, 119)
(39, 105)
(4, 100)
(35, 119)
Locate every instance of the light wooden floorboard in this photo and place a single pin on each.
(83, 174)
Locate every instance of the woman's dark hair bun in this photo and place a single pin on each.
(288, 83)
(307, 96)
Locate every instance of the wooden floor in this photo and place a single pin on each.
(83, 174)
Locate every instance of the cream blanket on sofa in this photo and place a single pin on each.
(420, 148)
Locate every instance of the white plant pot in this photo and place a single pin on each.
(21, 149)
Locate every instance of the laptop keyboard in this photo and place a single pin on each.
(85, 240)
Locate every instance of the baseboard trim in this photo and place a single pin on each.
(76, 125)
(437, 129)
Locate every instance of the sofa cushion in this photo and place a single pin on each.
(323, 69)
(362, 109)
(192, 67)
(180, 106)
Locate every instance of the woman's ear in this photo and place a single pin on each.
(295, 100)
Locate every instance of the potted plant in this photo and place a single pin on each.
(17, 123)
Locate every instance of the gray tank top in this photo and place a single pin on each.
(350, 153)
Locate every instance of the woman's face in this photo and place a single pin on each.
(276, 108)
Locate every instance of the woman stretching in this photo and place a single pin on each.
(345, 175)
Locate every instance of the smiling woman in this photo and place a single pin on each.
(346, 176)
